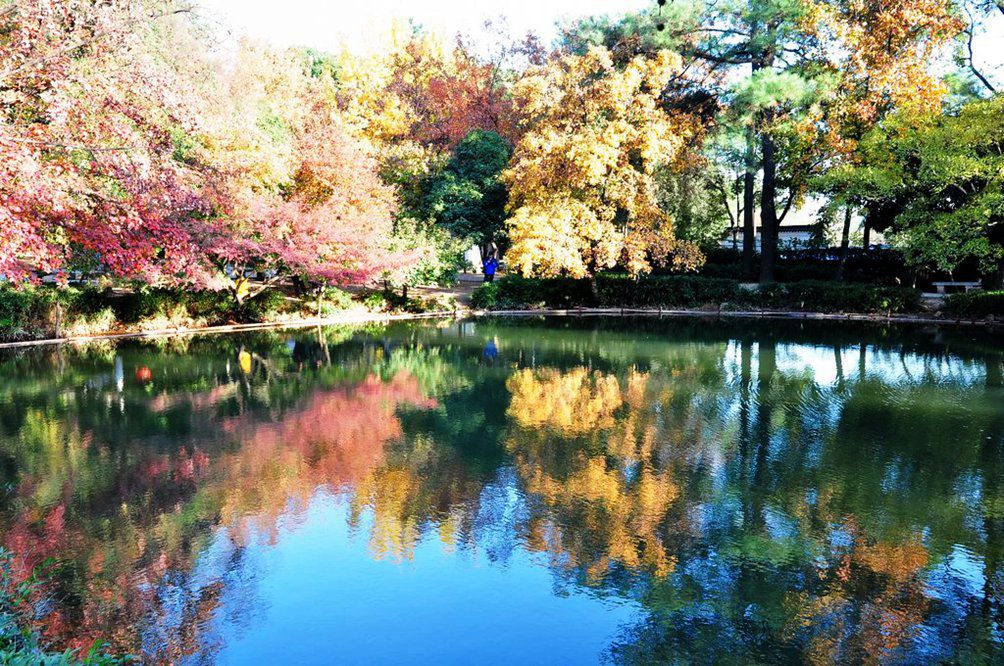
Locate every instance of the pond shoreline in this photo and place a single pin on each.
(365, 318)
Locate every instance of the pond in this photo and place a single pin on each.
(572, 491)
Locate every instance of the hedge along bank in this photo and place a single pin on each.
(975, 304)
(674, 291)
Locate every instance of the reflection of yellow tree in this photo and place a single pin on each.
(402, 497)
(607, 503)
(574, 402)
(390, 492)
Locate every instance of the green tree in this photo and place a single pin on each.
(468, 197)
(701, 201)
(937, 184)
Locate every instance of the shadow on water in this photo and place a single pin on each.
(549, 489)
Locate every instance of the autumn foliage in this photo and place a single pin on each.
(86, 121)
(133, 147)
(583, 195)
(163, 166)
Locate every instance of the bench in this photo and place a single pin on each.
(966, 286)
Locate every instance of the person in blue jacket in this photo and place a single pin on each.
(491, 264)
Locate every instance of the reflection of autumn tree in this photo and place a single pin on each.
(607, 498)
(336, 438)
(405, 502)
(836, 506)
(575, 402)
(838, 623)
(432, 479)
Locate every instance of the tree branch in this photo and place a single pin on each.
(739, 56)
(84, 42)
(969, 46)
(68, 146)
(787, 207)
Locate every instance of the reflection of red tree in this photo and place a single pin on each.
(337, 438)
(195, 401)
(156, 519)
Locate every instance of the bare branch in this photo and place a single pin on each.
(969, 45)
(68, 146)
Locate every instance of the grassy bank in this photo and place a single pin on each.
(34, 313)
(686, 292)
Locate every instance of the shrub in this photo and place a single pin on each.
(614, 290)
(19, 642)
(375, 301)
(90, 323)
(664, 291)
(143, 303)
(873, 267)
(515, 292)
(486, 297)
(817, 296)
(263, 307)
(392, 301)
(335, 300)
(21, 311)
(182, 307)
(974, 304)
(605, 290)
(28, 312)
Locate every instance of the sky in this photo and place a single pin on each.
(328, 25)
(358, 24)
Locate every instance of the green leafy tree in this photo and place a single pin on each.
(468, 197)
(937, 184)
(700, 200)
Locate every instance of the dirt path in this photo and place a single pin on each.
(462, 291)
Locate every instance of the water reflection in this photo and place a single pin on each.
(632, 490)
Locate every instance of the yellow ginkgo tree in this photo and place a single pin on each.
(582, 186)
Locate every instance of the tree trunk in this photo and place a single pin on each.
(996, 280)
(867, 241)
(749, 193)
(845, 243)
(838, 362)
(766, 366)
(746, 377)
(768, 188)
(59, 319)
(768, 210)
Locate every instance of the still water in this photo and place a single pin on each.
(563, 491)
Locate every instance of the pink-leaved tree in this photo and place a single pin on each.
(88, 116)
